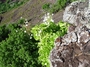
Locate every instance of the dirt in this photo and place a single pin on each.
(58, 16)
(32, 11)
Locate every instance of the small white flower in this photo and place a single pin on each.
(44, 20)
(45, 63)
(26, 25)
(52, 20)
(40, 31)
(21, 29)
(26, 22)
(48, 16)
(48, 13)
(21, 17)
(52, 14)
(31, 34)
(16, 31)
(25, 31)
(30, 37)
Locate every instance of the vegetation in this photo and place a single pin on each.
(46, 33)
(53, 8)
(3, 32)
(46, 6)
(8, 5)
(18, 48)
(21, 49)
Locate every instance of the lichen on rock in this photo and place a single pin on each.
(74, 14)
(73, 49)
(74, 45)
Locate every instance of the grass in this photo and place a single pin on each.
(6, 6)
(54, 8)
(10, 13)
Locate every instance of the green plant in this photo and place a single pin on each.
(9, 4)
(21, 21)
(46, 6)
(19, 49)
(60, 4)
(3, 32)
(46, 33)
(55, 8)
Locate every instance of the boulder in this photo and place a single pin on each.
(77, 14)
(73, 49)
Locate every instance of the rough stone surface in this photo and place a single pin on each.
(73, 49)
(76, 13)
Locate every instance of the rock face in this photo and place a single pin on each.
(76, 13)
(73, 49)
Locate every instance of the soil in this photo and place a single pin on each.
(32, 11)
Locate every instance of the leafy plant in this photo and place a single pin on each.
(21, 21)
(3, 32)
(46, 33)
(19, 49)
(46, 6)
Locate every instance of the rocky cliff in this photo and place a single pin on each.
(73, 49)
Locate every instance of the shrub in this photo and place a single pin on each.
(60, 4)
(46, 6)
(3, 32)
(21, 21)
(19, 49)
(46, 33)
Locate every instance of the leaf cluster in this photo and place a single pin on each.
(46, 6)
(19, 49)
(46, 34)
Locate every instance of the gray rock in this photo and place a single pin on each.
(77, 14)
(72, 50)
